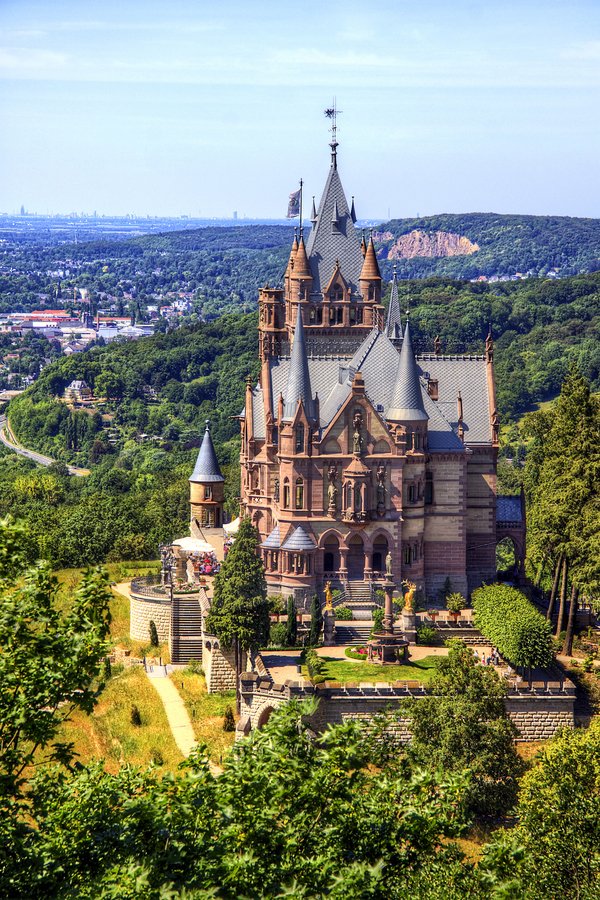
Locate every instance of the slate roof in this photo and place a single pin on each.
(378, 361)
(273, 541)
(328, 243)
(298, 383)
(299, 540)
(393, 326)
(207, 468)
(508, 509)
(406, 404)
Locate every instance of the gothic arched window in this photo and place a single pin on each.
(299, 443)
(299, 493)
(286, 493)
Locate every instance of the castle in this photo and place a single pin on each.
(354, 447)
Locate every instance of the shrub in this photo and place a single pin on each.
(377, 621)
(344, 613)
(107, 667)
(228, 720)
(455, 602)
(278, 634)
(427, 635)
(194, 667)
(153, 634)
(314, 664)
(356, 652)
(157, 757)
(135, 717)
(513, 625)
(276, 604)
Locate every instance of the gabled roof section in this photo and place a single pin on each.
(298, 384)
(327, 243)
(393, 326)
(406, 404)
(299, 540)
(207, 469)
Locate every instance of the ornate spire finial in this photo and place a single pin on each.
(332, 113)
(207, 423)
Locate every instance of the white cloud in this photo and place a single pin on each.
(23, 62)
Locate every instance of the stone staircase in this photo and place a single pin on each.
(186, 630)
(359, 598)
(353, 632)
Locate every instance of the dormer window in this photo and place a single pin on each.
(337, 293)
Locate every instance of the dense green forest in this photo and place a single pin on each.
(221, 269)
(507, 245)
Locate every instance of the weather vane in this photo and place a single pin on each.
(332, 113)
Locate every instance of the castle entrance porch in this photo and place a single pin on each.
(380, 551)
(331, 556)
(355, 558)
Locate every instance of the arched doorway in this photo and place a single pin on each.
(264, 717)
(331, 556)
(380, 551)
(356, 558)
(507, 561)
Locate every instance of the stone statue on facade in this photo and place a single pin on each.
(332, 493)
(328, 597)
(357, 440)
(381, 490)
(388, 564)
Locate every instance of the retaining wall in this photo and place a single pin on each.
(144, 610)
(538, 712)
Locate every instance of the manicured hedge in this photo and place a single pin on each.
(513, 625)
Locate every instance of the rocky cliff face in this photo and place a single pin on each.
(418, 243)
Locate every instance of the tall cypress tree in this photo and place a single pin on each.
(316, 621)
(239, 613)
(291, 633)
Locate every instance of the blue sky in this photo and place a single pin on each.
(199, 108)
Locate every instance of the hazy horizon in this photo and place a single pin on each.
(181, 108)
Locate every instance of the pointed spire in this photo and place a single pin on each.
(370, 269)
(353, 211)
(393, 326)
(298, 384)
(206, 470)
(301, 268)
(335, 218)
(313, 215)
(363, 245)
(406, 404)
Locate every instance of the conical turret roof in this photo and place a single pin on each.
(207, 469)
(370, 269)
(301, 264)
(406, 404)
(393, 326)
(298, 385)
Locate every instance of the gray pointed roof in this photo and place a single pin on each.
(327, 244)
(207, 468)
(273, 541)
(406, 403)
(393, 326)
(298, 384)
(299, 540)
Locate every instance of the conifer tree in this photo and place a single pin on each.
(239, 613)
(291, 634)
(316, 621)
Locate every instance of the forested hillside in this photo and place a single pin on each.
(221, 269)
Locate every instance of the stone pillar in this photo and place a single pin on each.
(409, 626)
(328, 627)
(343, 573)
(388, 616)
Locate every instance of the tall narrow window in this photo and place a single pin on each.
(207, 492)
(299, 438)
(299, 493)
(428, 488)
(286, 494)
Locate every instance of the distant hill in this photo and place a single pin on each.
(473, 244)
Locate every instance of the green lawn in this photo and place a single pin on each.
(344, 671)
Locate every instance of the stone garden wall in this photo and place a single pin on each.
(538, 712)
(144, 610)
(218, 665)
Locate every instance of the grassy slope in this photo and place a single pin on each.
(206, 712)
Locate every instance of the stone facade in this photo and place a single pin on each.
(353, 446)
(538, 712)
(218, 665)
(144, 610)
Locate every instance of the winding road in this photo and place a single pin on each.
(9, 440)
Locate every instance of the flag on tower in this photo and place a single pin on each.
(294, 205)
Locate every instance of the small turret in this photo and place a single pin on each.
(407, 399)
(370, 276)
(206, 488)
(298, 385)
(393, 327)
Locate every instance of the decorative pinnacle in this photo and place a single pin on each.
(207, 423)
